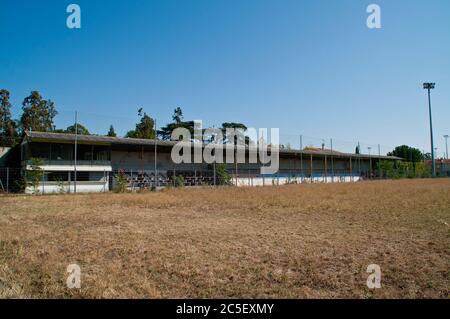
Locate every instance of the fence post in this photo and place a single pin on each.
(332, 161)
(301, 158)
(351, 173)
(7, 179)
(379, 162)
(43, 189)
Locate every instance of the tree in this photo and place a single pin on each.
(111, 132)
(38, 114)
(408, 153)
(240, 136)
(144, 129)
(34, 176)
(81, 129)
(165, 133)
(177, 116)
(7, 126)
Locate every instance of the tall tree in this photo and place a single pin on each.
(240, 133)
(111, 132)
(177, 116)
(165, 133)
(81, 129)
(408, 153)
(7, 126)
(144, 129)
(38, 114)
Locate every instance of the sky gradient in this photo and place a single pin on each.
(307, 67)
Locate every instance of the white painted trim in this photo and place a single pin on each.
(80, 168)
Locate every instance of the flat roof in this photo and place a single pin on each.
(122, 141)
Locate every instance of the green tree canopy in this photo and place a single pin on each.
(8, 131)
(81, 129)
(38, 114)
(165, 133)
(111, 132)
(144, 129)
(177, 116)
(240, 136)
(408, 153)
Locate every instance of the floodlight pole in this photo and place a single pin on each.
(75, 157)
(446, 146)
(429, 87)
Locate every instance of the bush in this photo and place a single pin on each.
(121, 182)
(399, 169)
(222, 175)
(178, 181)
(34, 176)
(61, 185)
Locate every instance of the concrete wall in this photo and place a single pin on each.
(273, 180)
(82, 187)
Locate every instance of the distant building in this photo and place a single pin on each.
(100, 158)
(442, 166)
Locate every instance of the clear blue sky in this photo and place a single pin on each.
(310, 67)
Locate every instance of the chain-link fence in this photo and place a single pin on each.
(9, 179)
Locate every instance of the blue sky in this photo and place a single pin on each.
(310, 67)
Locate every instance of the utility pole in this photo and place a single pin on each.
(446, 146)
(332, 161)
(156, 154)
(75, 158)
(301, 158)
(429, 87)
(379, 160)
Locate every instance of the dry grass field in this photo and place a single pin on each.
(296, 241)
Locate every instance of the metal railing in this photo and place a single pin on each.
(47, 162)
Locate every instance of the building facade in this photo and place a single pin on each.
(96, 161)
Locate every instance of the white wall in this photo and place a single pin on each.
(82, 187)
(269, 181)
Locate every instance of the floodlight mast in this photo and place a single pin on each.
(429, 86)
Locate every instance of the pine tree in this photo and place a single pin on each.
(111, 132)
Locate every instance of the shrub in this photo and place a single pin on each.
(34, 176)
(222, 175)
(121, 182)
(179, 181)
(398, 169)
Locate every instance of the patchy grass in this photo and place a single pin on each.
(296, 241)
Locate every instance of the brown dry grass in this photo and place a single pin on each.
(297, 241)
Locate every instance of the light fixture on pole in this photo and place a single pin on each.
(429, 86)
(446, 146)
